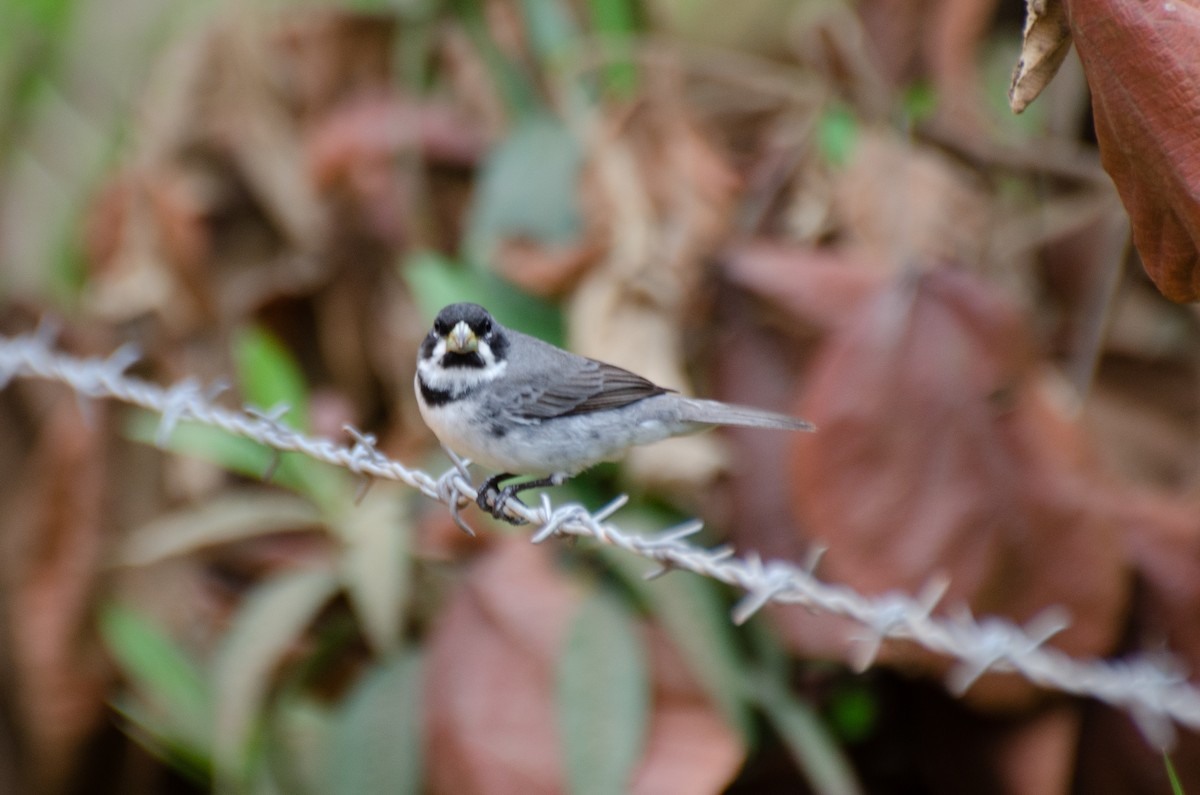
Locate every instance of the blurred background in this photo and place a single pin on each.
(821, 207)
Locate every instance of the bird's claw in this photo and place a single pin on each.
(493, 501)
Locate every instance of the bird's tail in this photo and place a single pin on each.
(711, 412)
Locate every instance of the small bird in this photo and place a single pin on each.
(521, 406)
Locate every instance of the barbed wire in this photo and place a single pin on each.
(1154, 691)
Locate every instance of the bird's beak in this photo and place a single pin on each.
(461, 339)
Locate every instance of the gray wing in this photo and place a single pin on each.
(594, 387)
(566, 384)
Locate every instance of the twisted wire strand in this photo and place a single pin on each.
(1154, 691)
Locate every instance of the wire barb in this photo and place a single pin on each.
(176, 406)
(454, 488)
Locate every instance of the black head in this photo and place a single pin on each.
(478, 319)
(485, 344)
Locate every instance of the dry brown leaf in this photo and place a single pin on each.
(54, 545)
(361, 154)
(689, 748)
(490, 719)
(242, 115)
(127, 251)
(609, 323)
(1141, 413)
(1163, 536)
(942, 451)
(895, 30)
(104, 220)
(329, 55)
(376, 128)
(904, 204)
(938, 39)
(490, 712)
(1142, 62)
(222, 213)
(757, 26)
(1037, 757)
(757, 360)
(1045, 43)
(1115, 759)
(667, 195)
(817, 287)
(467, 71)
(544, 269)
(221, 519)
(953, 38)
(955, 750)
(437, 538)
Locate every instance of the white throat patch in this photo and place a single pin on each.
(457, 380)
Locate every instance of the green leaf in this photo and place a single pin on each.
(376, 563)
(1172, 776)
(323, 484)
(162, 675)
(218, 521)
(837, 134)
(690, 608)
(603, 698)
(811, 745)
(377, 742)
(616, 21)
(529, 188)
(513, 85)
(298, 741)
(436, 281)
(854, 712)
(551, 29)
(33, 39)
(270, 620)
(920, 102)
(150, 729)
(216, 446)
(269, 375)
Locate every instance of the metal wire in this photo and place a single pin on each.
(1154, 691)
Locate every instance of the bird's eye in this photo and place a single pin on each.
(441, 327)
(485, 327)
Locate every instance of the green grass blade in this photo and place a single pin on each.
(690, 608)
(377, 742)
(271, 619)
(603, 698)
(810, 743)
(162, 675)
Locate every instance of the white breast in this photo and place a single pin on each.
(450, 425)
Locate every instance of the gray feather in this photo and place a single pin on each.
(545, 383)
(710, 412)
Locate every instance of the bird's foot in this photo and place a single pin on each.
(492, 499)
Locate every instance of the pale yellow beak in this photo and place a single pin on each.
(461, 339)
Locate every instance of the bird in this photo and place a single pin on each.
(520, 406)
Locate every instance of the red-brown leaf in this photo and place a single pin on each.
(53, 534)
(1142, 62)
(940, 452)
(490, 711)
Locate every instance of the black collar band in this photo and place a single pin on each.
(438, 397)
(453, 361)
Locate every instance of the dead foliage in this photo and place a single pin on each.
(751, 204)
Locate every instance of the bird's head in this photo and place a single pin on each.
(464, 336)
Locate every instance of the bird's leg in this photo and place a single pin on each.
(497, 498)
